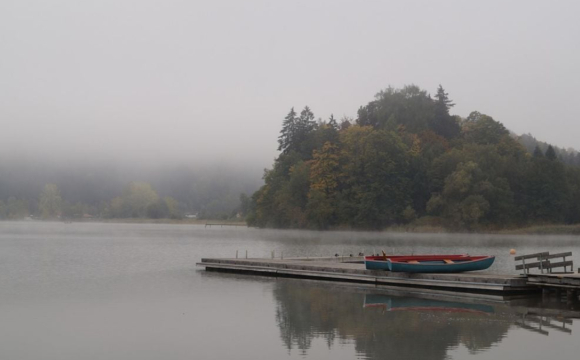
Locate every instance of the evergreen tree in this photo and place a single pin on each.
(305, 123)
(550, 153)
(444, 124)
(443, 99)
(538, 152)
(288, 132)
(302, 141)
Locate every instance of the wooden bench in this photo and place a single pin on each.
(544, 262)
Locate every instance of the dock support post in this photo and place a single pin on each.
(236, 254)
(246, 254)
(545, 291)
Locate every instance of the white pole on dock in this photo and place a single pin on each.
(236, 254)
(246, 254)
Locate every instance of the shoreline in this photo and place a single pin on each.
(133, 221)
(528, 230)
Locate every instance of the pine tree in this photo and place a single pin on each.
(305, 122)
(443, 124)
(550, 153)
(443, 99)
(288, 132)
(538, 152)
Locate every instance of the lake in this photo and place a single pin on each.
(132, 291)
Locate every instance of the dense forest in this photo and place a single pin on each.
(108, 189)
(405, 160)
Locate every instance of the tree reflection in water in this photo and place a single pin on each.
(388, 323)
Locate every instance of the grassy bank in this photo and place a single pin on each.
(529, 230)
(545, 230)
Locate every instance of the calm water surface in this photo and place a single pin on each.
(119, 291)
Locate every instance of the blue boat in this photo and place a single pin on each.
(380, 262)
(468, 263)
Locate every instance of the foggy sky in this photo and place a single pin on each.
(202, 80)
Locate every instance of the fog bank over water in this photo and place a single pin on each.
(203, 186)
(165, 81)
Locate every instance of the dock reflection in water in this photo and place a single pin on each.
(412, 325)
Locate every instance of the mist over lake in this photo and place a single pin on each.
(138, 137)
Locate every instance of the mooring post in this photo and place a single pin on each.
(545, 291)
(246, 254)
(281, 255)
(236, 254)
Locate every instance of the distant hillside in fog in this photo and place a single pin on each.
(87, 188)
(568, 156)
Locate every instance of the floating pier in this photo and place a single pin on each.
(352, 269)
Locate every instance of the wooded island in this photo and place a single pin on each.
(405, 160)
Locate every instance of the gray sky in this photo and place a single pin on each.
(191, 80)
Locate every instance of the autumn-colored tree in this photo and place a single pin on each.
(324, 169)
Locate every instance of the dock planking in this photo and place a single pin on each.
(565, 281)
(352, 269)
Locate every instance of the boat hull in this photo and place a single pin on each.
(439, 267)
(380, 262)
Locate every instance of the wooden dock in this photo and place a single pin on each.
(352, 269)
(569, 282)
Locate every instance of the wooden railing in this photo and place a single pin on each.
(544, 261)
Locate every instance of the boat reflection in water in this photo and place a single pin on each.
(408, 325)
(390, 303)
